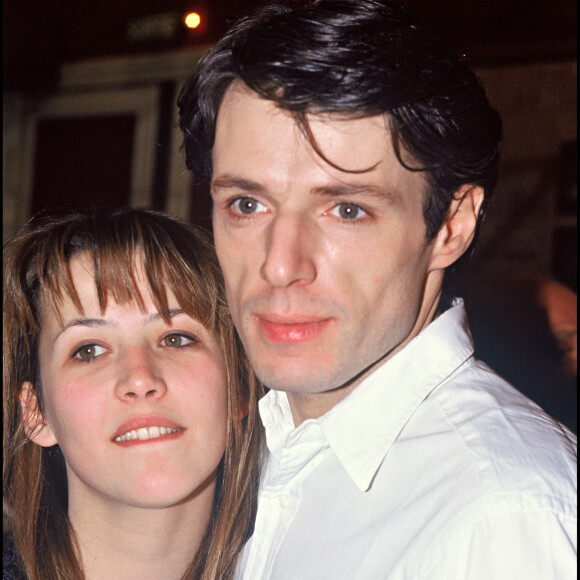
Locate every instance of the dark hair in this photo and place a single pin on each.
(357, 58)
(175, 256)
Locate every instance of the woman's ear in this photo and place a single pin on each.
(36, 428)
(457, 233)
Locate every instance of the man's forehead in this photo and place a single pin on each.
(238, 91)
(246, 116)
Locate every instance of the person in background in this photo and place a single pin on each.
(561, 306)
(126, 451)
(524, 326)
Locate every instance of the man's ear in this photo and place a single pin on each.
(36, 428)
(458, 230)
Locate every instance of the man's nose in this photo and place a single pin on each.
(290, 247)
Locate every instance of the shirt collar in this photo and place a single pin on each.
(364, 425)
(277, 418)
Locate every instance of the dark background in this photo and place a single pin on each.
(39, 36)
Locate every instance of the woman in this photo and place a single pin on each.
(131, 439)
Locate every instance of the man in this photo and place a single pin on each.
(350, 155)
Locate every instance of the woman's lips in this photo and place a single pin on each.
(153, 435)
(146, 429)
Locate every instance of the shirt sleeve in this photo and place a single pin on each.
(535, 545)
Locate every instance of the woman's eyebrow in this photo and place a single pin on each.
(173, 312)
(84, 322)
(100, 322)
(90, 322)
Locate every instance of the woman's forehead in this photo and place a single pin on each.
(83, 282)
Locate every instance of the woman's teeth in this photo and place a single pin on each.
(145, 433)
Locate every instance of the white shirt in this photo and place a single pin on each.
(432, 468)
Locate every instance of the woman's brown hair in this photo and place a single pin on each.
(175, 256)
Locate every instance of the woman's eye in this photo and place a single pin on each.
(89, 352)
(348, 211)
(248, 206)
(177, 340)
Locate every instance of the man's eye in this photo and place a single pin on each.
(89, 352)
(248, 206)
(348, 211)
(177, 340)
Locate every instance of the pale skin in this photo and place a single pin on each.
(328, 273)
(139, 508)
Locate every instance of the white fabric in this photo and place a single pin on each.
(432, 468)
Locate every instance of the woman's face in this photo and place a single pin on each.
(138, 406)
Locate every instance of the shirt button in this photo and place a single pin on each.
(284, 501)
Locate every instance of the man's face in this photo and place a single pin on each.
(326, 271)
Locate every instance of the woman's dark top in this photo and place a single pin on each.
(11, 567)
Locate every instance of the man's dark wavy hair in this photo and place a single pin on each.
(357, 58)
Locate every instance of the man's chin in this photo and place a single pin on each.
(301, 378)
(298, 379)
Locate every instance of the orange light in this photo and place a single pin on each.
(192, 20)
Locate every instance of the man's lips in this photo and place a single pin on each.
(292, 331)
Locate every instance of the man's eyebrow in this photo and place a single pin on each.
(234, 182)
(332, 190)
(354, 189)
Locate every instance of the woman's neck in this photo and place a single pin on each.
(120, 541)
